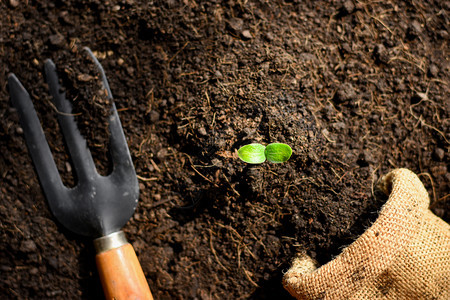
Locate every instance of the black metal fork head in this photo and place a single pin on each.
(97, 205)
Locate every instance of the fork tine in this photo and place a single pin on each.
(79, 152)
(35, 139)
(123, 166)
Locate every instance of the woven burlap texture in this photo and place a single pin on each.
(405, 254)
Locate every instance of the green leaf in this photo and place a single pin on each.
(278, 152)
(252, 153)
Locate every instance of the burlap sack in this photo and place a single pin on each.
(405, 254)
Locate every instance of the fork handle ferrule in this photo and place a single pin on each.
(110, 241)
(119, 269)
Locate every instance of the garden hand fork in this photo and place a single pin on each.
(98, 206)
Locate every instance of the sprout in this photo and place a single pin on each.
(278, 152)
(257, 153)
(252, 153)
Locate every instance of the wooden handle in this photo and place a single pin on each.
(121, 274)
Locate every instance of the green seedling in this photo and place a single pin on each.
(257, 153)
(252, 153)
(278, 152)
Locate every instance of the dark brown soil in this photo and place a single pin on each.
(82, 82)
(355, 88)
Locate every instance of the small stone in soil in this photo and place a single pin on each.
(345, 93)
(56, 39)
(439, 154)
(85, 77)
(53, 262)
(28, 246)
(246, 34)
(154, 116)
(162, 153)
(380, 54)
(414, 30)
(235, 25)
(202, 131)
(14, 3)
(348, 7)
(433, 70)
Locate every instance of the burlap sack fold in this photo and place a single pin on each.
(405, 254)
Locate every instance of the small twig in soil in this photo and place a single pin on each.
(285, 73)
(207, 99)
(213, 121)
(258, 240)
(146, 179)
(422, 121)
(248, 274)
(211, 245)
(138, 71)
(144, 141)
(228, 227)
(229, 183)
(332, 190)
(14, 292)
(408, 61)
(188, 74)
(155, 165)
(433, 205)
(178, 52)
(158, 203)
(432, 186)
(326, 137)
(373, 179)
(60, 112)
(382, 23)
(392, 163)
(201, 175)
(343, 163)
(18, 229)
(335, 172)
(342, 177)
(239, 251)
(261, 210)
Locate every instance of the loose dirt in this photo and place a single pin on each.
(356, 88)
